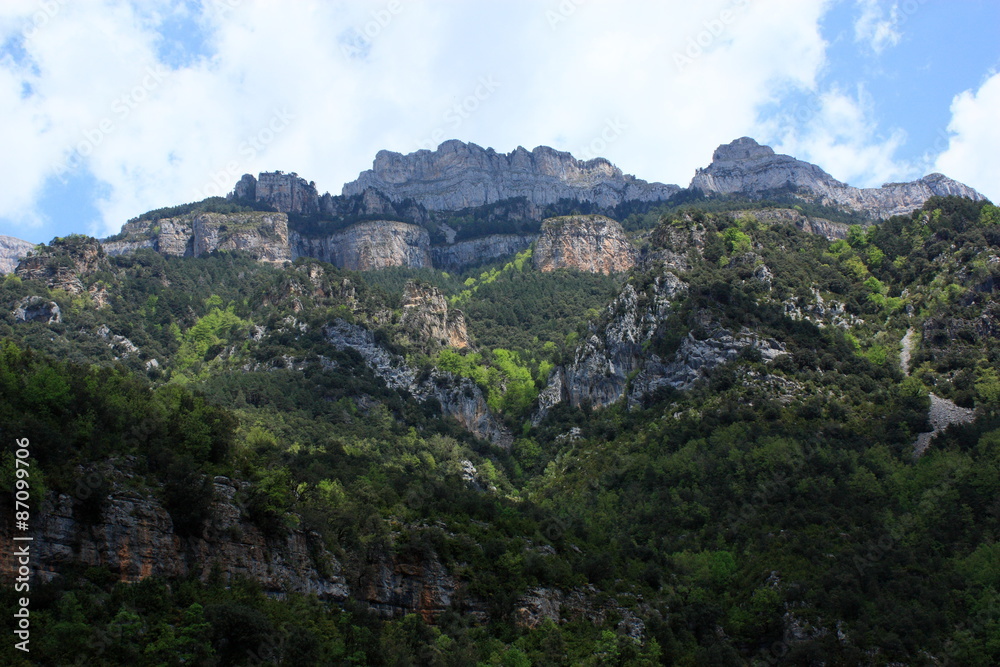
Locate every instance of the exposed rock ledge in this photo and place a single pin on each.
(459, 397)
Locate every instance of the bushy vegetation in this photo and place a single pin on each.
(772, 514)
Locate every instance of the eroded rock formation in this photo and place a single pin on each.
(746, 168)
(591, 243)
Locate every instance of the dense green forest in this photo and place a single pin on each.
(772, 513)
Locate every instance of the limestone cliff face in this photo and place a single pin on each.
(614, 363)
(287, 193)
(599, 373)
(369, 245)
(477, 251)
(459, 397)
(459, 175)
(427, 317)
(745, 167)
(61, 264)
(134, 535)
(264, 235)
(591, 243)
(12, 251)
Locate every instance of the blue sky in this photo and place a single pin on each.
(113, 108)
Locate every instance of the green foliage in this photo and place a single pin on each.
(769, 493)
(214, 329)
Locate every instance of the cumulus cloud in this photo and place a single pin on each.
(839, 131)
(318, 88)
(974, 144)
(876, 26)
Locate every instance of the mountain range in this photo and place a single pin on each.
(438, 208)
(512, 409)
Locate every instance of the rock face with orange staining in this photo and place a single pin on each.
(427, 315)
(590, 243)
(134, 535)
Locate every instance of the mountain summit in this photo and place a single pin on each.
(744, 167)
(463, 175)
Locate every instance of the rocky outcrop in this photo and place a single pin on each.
(37, 309)
(370, 245)
(286, 192)
(696, 357)
(601, 367)
(615, 362)
(12, 251)
(462, 399)
(746, 168)
(394, 587)
(134, 536)
(62, 263)
(591, 243)
(774, 216)
(477, 251)
(581, 604)
(262, 234)
(459, 175)
(427, 318)
(459, 397)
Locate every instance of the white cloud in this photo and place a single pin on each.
(838, 131)
(877, 27)
(671, 79)
(971, 155)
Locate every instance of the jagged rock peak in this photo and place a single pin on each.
(460, 175)
(12, 251)
(747, 168)
(743, 148)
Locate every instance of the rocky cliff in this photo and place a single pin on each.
(459, 175)
(369, 245)
(477, 251)
(12, 251)
(264, 235)
(134, 536)
(614, 363)
(459, 397)
(62, 263)
(427, 317)
(591, 243)
(746, 168)
(290, 193)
